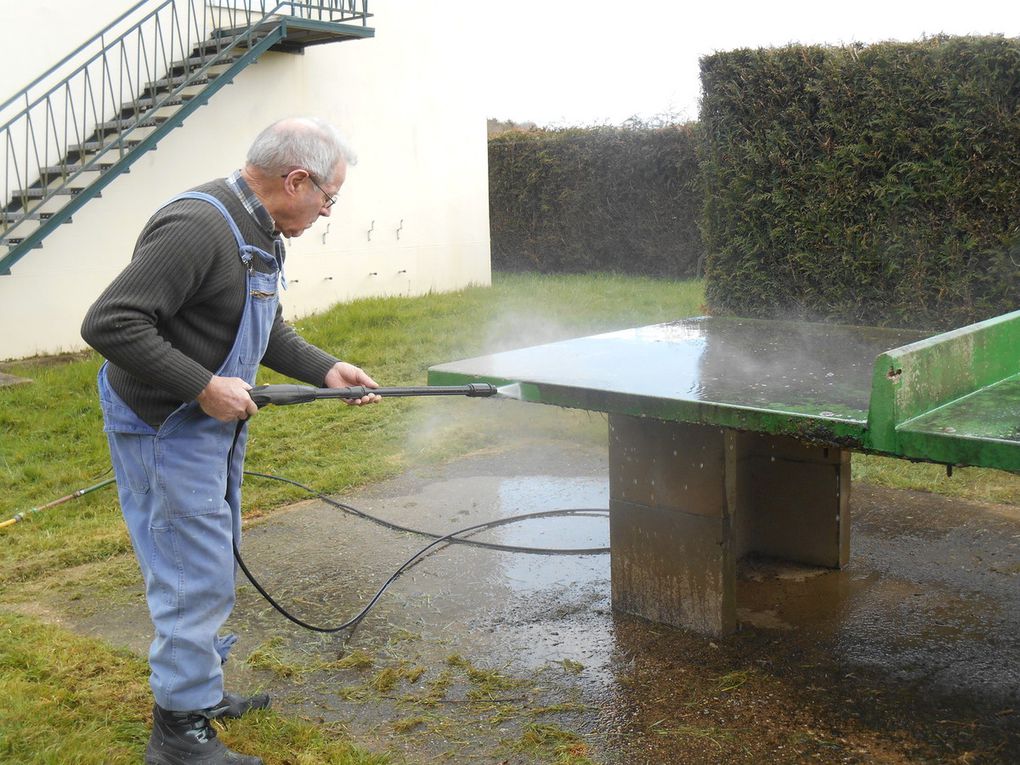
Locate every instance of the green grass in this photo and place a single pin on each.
(974, 484)
(72, 700)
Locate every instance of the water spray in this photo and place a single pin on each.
(513, 390)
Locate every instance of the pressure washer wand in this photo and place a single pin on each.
(282, 395)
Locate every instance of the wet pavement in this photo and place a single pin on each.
(908, 655)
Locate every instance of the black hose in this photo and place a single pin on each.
(451, 537)
(431, 535)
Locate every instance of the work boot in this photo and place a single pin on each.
(234, 705)
(182, 738)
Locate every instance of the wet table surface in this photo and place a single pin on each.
(757, 374)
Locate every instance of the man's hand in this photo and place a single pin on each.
(344, 375)
(226, 399)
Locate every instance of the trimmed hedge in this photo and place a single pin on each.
(622, 200)
(876, 184)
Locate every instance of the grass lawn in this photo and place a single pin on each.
(70, 699)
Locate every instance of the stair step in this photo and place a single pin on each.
(91, 147)
(166, 83)
(224, 38)
(59, 171)
(147, 103)
(117, 125)
(16, 240)
(12, 218)
(42, 191)
(198, 60)
(211, 47)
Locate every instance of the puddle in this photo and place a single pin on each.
(525, 574)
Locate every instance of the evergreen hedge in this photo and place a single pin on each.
(876, 184)
(614, 199)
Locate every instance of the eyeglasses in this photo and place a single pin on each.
(330, 199)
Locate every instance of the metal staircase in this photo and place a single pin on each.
(75, 128)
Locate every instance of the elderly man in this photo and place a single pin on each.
(184, 328)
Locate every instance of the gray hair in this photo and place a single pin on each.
(305, 142)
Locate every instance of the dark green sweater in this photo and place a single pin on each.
(168, 320)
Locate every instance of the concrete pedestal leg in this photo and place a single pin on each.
(687, 501)
(792, 500)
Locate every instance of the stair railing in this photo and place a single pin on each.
(56, 129)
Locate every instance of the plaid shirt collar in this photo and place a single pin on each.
(261, 215)
(252, 204)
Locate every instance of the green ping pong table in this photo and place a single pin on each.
(732, 436)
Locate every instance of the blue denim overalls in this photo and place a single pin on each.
(182, 505)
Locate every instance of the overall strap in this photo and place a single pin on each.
(218, 205)
(243, 247)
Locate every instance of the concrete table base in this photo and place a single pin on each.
(687, 501)
(732, 436)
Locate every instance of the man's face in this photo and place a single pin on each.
(305, 198)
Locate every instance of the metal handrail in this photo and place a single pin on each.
(108, 85)
(45, 75)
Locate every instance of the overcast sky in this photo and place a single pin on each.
(584, 62)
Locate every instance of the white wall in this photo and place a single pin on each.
(412, 216)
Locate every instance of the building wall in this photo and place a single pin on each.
(412, 216)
